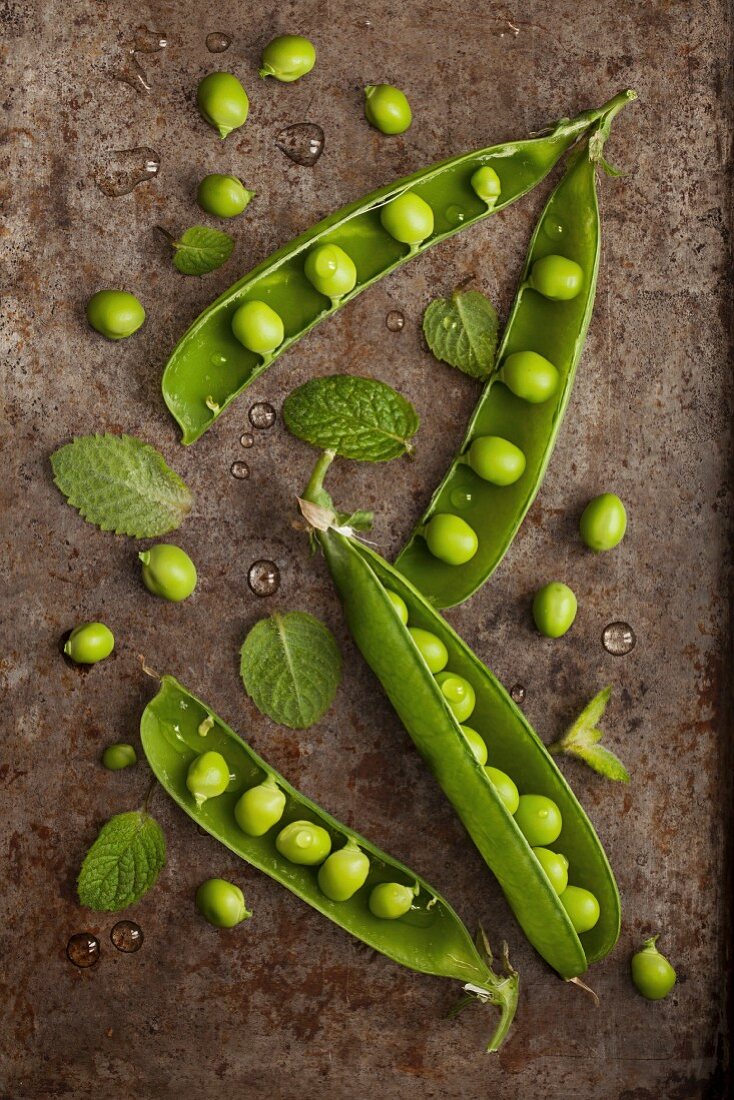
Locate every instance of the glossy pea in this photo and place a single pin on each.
(121, 755)
(486, 184)
(331, 270)
(258, 327)
(89, 643)
(259, 808)
(458, 693)
(603, 522)
(223, 102)
(221, 903)
(407, 218)
(505, 788)
(556, 277)
(115, 313)
(223, 196)
(530, 376)
(477, 744)
(399, 604)
(344, 872)
(431, 648)
(391, 900)
(168, 572)
(582, 908)
(538, 819)
(496, 460)
(207, 777)
(554, 609)
(288, 57)
(304, 843)
(555, 866)
(652, 974)
(450, 538)
(387, 108)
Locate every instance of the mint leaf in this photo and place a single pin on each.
(123, 863)
(582, 737)
(356, 418)
(462, 331)
(201, 250)
(121, 484)
(291, 667)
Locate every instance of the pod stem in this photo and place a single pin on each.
(315, 491)
(501, 990)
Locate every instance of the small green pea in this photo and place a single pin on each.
(331, 270)
(207, 777)
(304, 843)
(223, 196)
(258, 327)
(555, 866)
(391, 900)
(407, 218)
(556, 277)
(89, 643)
(539, 819)
(344, 872)
(115, 313)
(476, 744)
(223, 102)
(603, 522)
(496, 460)
(119, 756)
(554, 609)
(399, 604)
(387, 108)
(652, 974)
(487, 185)
(432, 649)
(505, 788)
(168, 572)
(458, 693)
(451, 539)
(259, 808)
(288, 57)
(582, 908)
(221, 903)
(530, 376)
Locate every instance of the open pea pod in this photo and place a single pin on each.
(176, 727)
(209, 367)
(569, 226)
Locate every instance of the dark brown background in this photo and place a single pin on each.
(287, 1005)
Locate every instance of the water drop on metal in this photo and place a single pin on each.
(263, 578)
(131, 71)
(303, 143)
(123, 169)
(83, 949)
(218, 42)
(517, 693)
(395, 320)
(618, 638)
(240, 470)
(127, 936)
(262, 415)
(461, 498)
(146, 41)
(247, 439)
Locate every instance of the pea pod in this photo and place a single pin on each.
(554, 329)
(429, 938)
(209, 367)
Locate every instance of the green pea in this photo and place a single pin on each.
(331, 270)
(555, 866)
(556, 277)
(344, 872)
(387, 108)
(168, 572)
(399, 605)
(207, 777)
(258, 809)
(115, 313)
(476, 744)
(304, 843)
(288, 57)
(223, 196)
(603, 522)
(582, 908)
(432, 649)
(89, 643)
(496, 459)
(223, 102)
(539, 819)
(652, 974)
(407, 218)
(119, 756)
(505, 788)
(486, 184)
(458, 693)
(391, 900)
(258, 327)
(530, 376)
(221, 903)
(554, 609)
(451, 539)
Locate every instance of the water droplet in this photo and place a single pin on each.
(247, 439)
(461, 498)
(132, 72)
(303, 143)
(127, 936)
(554, 228)
(366, 23)
(218, 42)
(202, 831)
(641, 860)
(517, 693)
(262, 415)
(146, 41)
(83, 949)
(123, 169)
(618, 638)
(263, 578)
(455, 215)
(395, 320)
(240, 470)
(217, 359)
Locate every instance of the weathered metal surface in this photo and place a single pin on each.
(287, 1005)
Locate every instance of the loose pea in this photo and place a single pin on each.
(458, 693)
(556, 277)
(530, 376)
(168, 572)
(539, 819)
(432, 649)
(451, 539)
(115, 313)
(89, 643)
(581, 906)
(486, 184)
(288, 57)
(223, 196)
(331, 270)
(554, 609)
(387, 108)
(223, 102)
(207, 777)
(258, 327)
(344, 872)
(399, 604)
(652, 974)
(408, 218)
(555, 866)
(390, 900)
(304, 843)
(258, 809)
(221, 903)
(603, 522)
(497, 460)
(119, 756)
(505, 788)
(476, 744)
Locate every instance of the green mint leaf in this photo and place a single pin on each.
(462, 331)
(602, 761)
(291, 667)
(356, 418)
(123, 863)
(201, 250)
(121, 484)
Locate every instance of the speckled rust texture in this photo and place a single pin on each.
(288, 1006)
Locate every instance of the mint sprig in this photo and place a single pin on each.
(200, 250)
(123, 863)
(582, 738)
(462, 331)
